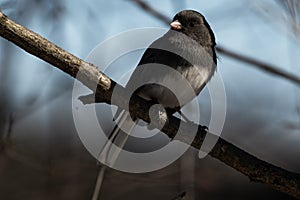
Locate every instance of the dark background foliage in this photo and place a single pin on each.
(41, 155)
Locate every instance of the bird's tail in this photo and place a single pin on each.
(112, 148)
(116, 141)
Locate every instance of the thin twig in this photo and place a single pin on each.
(261, 65)
(8, 136)
(181, 196)
(257, 170)
(99, 182)
(152, 11)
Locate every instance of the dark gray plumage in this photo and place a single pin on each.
(189, 48)
(183, 60)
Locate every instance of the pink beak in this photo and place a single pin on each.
(176, 25)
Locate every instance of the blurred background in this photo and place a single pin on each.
(41, 155)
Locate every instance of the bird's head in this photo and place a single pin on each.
(194, 25)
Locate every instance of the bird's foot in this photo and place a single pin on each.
(204, 128)
(158, 116)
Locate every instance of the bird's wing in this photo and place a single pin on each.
(151, 55)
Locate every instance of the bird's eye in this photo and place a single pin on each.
(191, 24)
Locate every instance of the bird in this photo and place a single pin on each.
(189, 48)
(184, 54)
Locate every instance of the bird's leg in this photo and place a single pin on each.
(158, 116)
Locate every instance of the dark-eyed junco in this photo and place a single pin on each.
(175, 67)
(172, 71)
(189, 48)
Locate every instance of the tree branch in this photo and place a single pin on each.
(258, 64)
(261, 65)
(152, 11)
(257, 170)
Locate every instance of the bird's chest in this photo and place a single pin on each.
(175, 87)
